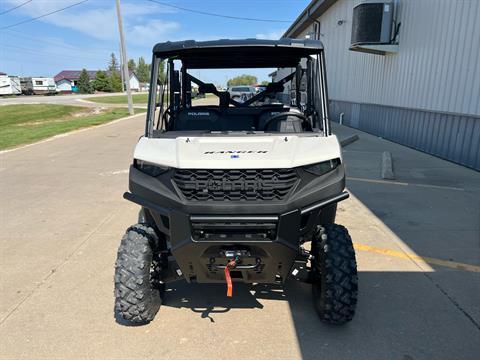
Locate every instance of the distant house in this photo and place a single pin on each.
(134, 82)
(66, 80)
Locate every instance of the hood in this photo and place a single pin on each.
(238, 152)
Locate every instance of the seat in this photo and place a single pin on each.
(198, 118)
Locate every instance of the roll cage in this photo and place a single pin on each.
(172, 97)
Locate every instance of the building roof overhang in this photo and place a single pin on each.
(308, 16)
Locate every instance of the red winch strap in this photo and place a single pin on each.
(228, 279)
(230, 265)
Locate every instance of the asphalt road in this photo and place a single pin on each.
(68, 99)
(62, 217)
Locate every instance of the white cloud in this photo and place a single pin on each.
(151, 32)
(97, 20)
(100, 22)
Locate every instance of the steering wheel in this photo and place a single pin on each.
(305, 123)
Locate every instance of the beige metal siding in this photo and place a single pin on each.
(436, 69)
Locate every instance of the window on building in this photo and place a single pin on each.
(38, 82)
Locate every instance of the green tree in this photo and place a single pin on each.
(265, 82)
(101, 81)
(113, 65)
(244, 79)
(84, 86)
(143, 70)
(114, 82)
(132, 66)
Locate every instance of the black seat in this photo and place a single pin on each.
(198, 118)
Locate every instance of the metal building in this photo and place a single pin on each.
(422, 89)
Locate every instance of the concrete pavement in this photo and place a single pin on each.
(62, 217)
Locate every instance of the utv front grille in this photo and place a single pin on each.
(234, 184)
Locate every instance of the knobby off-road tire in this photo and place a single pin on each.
(138, 295)
(334, 268)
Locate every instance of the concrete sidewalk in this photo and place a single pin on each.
(433, 206)
(62, 217)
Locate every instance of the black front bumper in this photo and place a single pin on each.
(267, 234)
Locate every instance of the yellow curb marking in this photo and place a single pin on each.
(429, 260)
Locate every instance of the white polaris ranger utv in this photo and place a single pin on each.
(237, 192)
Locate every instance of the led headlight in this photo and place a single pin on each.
(150, 168)
(323, 167)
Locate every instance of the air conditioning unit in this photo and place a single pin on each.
(372, 27)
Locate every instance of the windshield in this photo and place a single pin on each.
(250, 101)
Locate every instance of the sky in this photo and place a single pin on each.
(85, 35)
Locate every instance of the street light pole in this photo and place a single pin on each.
(126, 75)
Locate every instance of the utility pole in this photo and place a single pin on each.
(121, 68)
(126, 75)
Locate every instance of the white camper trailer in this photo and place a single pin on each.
(10, 85)
(44, 85)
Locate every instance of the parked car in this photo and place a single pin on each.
(241, 93)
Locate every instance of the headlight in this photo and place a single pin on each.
(149, 168)
(323, 167)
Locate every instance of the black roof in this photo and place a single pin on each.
(248, 53)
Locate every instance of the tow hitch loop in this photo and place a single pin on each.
(230, 265)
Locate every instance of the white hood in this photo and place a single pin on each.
(238, 152)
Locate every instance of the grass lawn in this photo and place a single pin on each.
(23, 124)
(120, 99)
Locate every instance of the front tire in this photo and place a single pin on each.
(138, 292)
(334, 268)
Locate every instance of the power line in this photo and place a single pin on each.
(44, 15)
(219, 15)
(40, 52)
(16, 7)
(57, 43)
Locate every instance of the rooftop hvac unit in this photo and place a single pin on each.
(372, 28)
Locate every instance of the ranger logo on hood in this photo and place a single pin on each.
(236, 152)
